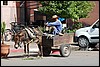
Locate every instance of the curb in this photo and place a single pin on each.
(16, 50)
(73, 48)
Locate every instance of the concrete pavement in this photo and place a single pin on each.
(33, 48)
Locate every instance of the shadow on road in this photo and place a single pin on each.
(20, 56)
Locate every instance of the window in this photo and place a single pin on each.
(5, 2)
(96, 25)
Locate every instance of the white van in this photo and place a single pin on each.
(88, 36)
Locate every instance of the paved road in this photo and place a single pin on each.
(76, 58)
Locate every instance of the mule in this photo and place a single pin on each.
(23, 37)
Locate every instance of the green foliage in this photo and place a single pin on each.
(70, 31)
(3, 26)
(42, 29)
(75, 26)
(67, 9)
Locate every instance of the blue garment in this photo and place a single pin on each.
(58, 26)
(61, 19)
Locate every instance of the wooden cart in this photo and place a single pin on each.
(61, 43)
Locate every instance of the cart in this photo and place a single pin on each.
(61, 43)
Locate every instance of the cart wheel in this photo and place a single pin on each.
(65, 50)
(46, 51)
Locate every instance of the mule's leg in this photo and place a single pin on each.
(24, 49)
(39, 52)
(28, 49)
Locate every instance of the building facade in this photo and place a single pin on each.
(8, 12)
(19, 11)
(93, 15)
(26, 12)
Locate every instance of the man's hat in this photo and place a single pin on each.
(54, 16)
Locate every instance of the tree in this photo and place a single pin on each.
(67, 9)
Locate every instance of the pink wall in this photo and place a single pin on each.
(8, 13)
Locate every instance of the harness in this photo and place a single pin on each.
(30, 32)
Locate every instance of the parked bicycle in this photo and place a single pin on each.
(9, 33)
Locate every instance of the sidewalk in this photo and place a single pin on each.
(33, 48)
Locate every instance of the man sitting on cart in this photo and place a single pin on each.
(55, 26)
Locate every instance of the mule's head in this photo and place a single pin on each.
(18, 40)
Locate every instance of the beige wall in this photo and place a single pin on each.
(8, 12)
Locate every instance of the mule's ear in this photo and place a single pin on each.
(20, 34)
